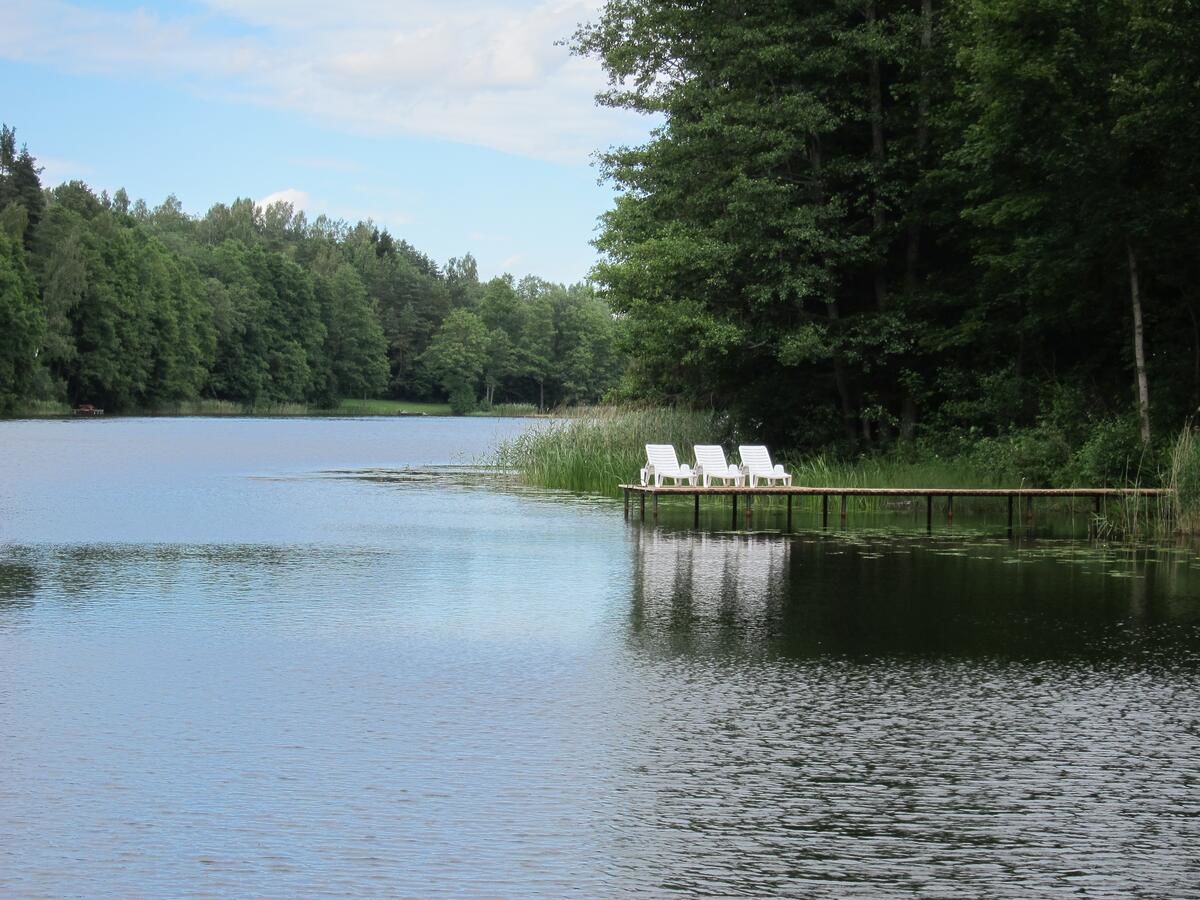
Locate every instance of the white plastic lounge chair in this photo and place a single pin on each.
(661, 463)
(756, 464)
(711, 464)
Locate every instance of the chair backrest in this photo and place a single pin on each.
(711, 458)
(755, 457)
(662, 457)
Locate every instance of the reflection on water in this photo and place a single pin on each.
(303, 658)
(857, 715)
(880, 593)
(706, 590)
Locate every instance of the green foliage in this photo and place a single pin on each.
(257, 308)
(457, 355)
(462, 400)
(861, 224)
(21, 324)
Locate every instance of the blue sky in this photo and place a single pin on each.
(459, 126)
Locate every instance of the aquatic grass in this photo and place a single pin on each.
(1184, 479)
(514, 410)
(603, 447)
(39, 409)
(892, 472)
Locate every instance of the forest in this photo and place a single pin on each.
(132, 308)
(957, 228)
(969, 227)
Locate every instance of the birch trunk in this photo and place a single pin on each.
(1139, 350)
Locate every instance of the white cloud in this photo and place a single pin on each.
(299, 199)
(56, 171)
(484, 73)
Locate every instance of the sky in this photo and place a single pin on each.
(461, 126)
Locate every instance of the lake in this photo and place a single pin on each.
(284, 657)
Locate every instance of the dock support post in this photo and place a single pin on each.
(656, 507)
(789, 514)
(749, 508)
(626, 492)
(734, 498)
(696, 513)
(824, 510)
(843, 510)
(929, 513)
(1010, 514)
(642, 500)
(950, 508)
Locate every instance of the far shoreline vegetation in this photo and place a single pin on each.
(951, 241)
(345, 407)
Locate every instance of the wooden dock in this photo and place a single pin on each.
(1025, 495)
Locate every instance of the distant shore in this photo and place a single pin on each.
(50, 410)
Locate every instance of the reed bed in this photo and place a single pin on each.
(1184, 479)
(600, 448)
(506, 410)
(889, 472)
(227, 408)
(37, 409)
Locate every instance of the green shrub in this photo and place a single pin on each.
(1111, 454)
(462, 400)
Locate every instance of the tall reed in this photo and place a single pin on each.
(1184, 480)
(604, 447)
(890, 472)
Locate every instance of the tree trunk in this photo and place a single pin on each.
(541, 396)
(878, 219)
(912, 255)
(1195, 360)
(908, 417)
(1139, 351)
(849, 416)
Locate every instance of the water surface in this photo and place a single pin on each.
(304, 657)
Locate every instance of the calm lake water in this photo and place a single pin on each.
(304, 657)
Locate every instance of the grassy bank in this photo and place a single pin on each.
(599, 449)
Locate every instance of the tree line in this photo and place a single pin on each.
(124, 306)
(861, 223)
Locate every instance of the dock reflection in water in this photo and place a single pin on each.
(870, 716)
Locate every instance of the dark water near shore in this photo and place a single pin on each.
(298, 657)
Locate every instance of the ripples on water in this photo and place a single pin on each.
(425, 683)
